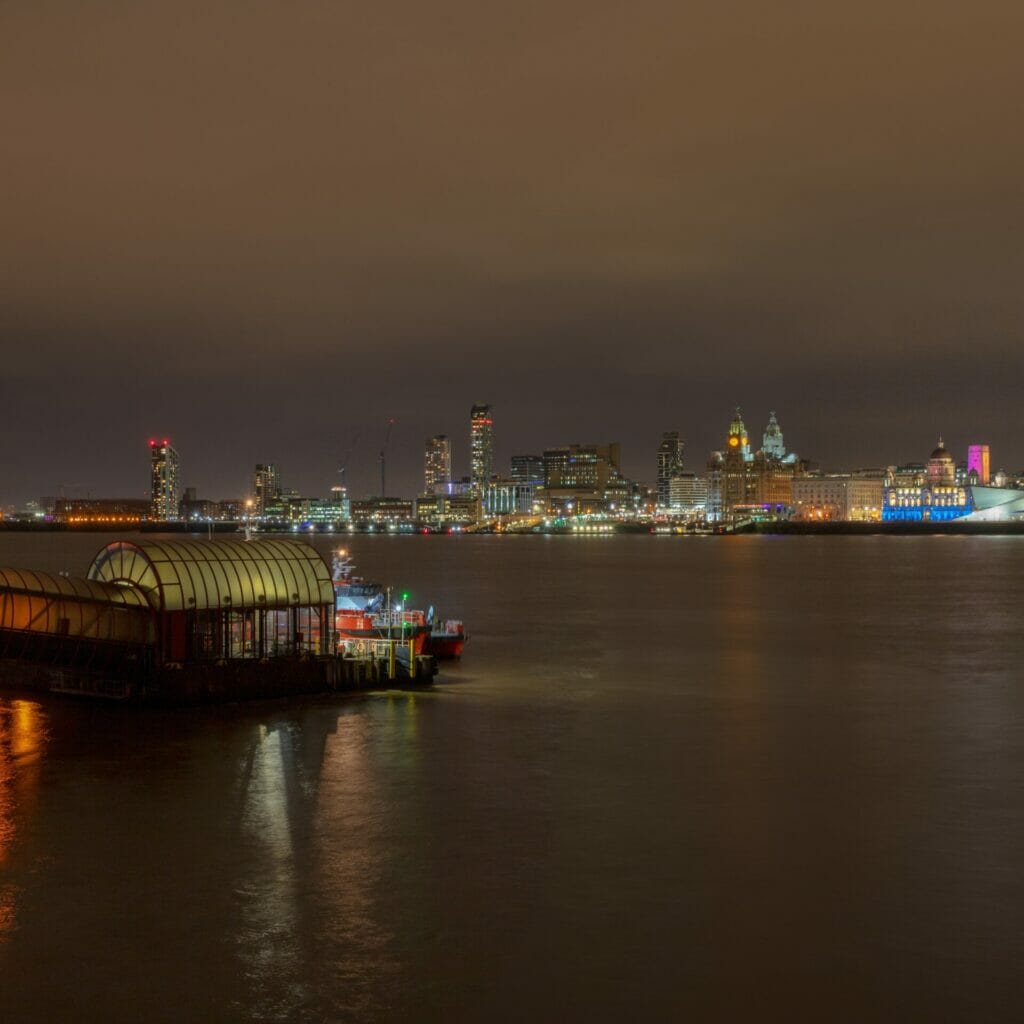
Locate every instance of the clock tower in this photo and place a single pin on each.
(738, 441)
(737, 477)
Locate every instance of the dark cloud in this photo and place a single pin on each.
(264, 227)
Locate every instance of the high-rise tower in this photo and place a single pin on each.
(266, 486)
(481, 446)
(670, 464)
(164, 481)
(437, 462)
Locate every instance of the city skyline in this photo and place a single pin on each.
(364, 468)
(813, 211)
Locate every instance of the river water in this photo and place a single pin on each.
(724, 778)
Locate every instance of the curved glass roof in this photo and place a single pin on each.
(183, 575)
(69, 588)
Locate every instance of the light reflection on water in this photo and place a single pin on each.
(21, 744)
(669, 778)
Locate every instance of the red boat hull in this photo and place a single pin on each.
(447, 646)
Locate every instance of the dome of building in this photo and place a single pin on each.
(941, 469)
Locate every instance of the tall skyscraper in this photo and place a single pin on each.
(978, 461)
(164, 481)
(266, 487)
(481, 446)
(437, 462)
(670, 464)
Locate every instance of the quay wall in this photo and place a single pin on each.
(214, 683)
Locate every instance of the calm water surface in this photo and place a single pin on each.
(724, 778)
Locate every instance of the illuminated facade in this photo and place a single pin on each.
(100, 511)
(481, 446)
(453, 487)
(850, 497)
(738, 479)
(437, 462)
(688, 494)
(941, 470)
(332, 510)
(382, 510)
(715, 479)
(979, 463)
(581, 467)
(266, 487)
(926, 504)
(507, 497)
(772, 443)
(937, 493)
(932, 496)
(772, 480)
(738, 484)
(670, 464)
(455, 509)
(585, 478)
(528, 469)
(164, 482)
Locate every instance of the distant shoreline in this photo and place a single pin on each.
(787, 529)
(887, 529)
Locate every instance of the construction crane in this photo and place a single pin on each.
(383, 453)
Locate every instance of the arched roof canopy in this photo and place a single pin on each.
(69, 610)
(193, 575)
(32, 583)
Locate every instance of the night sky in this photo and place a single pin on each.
(262, 228)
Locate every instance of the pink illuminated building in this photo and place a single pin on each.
(978, 462)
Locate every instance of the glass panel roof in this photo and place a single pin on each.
(29, 581)
(192, 574)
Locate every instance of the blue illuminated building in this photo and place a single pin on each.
(917, 505)
(935, 496)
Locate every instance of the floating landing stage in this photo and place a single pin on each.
(188, 622)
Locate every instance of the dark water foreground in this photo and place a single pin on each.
(720, 778)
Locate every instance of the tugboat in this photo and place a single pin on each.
(363, 611)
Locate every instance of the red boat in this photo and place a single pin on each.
(363, 612)
(446, 640)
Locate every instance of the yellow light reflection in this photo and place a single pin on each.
(22, 736)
